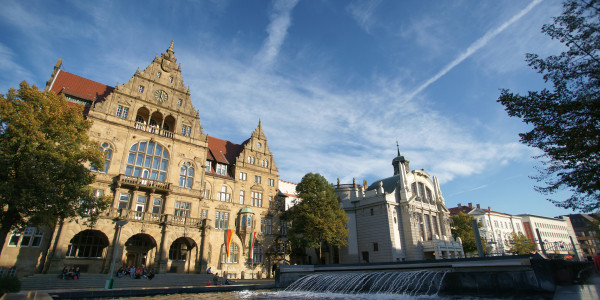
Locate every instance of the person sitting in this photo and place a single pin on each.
(132, 272)
(63, 273)
(76, 273)
(120, 272)
(70, 273)
(150, 274)
(138, 273)
(209, 270)
(215, 279)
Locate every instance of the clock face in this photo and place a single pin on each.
(161, 95)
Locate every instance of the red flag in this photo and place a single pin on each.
(251, 245)
(228, 237)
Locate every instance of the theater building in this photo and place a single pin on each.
(177, 188)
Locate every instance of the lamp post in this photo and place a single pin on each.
(284, 239)
(110, 280)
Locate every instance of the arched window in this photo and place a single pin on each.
(87, 244)
(234, 254)
(106, 149)
(186, 176)
(258, 254)
(147, 160)
(179, 249)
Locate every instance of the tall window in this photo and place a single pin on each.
(223, 195)
(429, 197)
(106, 149)
(157, 206)
(222, 220)
(124, 201)
(271, 182)
(242, 197)
(234, 254)
(243, 176)
(122, 112)
(186, 130)
(221, 169)
(258, 254)
(147, 160)
(204, 214)
(247, 220)
(87, 244)
(271, 203)
(266, 225)
(206, 191)
(284, 226)
(256, 199)
(250, 160)
(257, 179)
(182, 209)
(422, 191)
(265, 164)
(186, 175)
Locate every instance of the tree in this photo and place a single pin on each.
(519, 244)
(566, 118)
(44, 146)
(318, 218)
(462, 227)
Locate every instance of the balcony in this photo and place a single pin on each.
(139, 216)
(153, 129)
(154, 185)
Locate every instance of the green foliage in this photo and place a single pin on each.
(566, 119)
(44, 146)
(520, 244)
(9, 285)
(463, 229)
(318, 218)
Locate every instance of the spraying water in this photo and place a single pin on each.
(411, 283)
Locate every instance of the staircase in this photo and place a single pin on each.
(98, 281)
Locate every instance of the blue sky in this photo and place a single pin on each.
(335, 83)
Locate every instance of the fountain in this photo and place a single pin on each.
(409, 283)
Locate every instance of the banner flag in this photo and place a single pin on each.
(251, 245)
(228, 237)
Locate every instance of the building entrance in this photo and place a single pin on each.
(140, 249)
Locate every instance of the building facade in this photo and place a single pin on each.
(585, 227)
(496, 228)
(399, 218)
(554, 237)
(178, 189)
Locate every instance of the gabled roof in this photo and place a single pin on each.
(463, 209)
(73, 85)
(223, 151)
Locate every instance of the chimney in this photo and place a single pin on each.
(459, 206)
(478, 206)
(490, 208)
(470, 205)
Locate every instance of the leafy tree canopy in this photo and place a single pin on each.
(462, 228)
(566, 118)
(318, 218)
(44, 146)
(520, 244)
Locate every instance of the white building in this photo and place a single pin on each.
(287, 191)
(399, 218)
(496, 227)
(556, 235)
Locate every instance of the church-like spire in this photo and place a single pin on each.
(170, 50)
(398, 147)
(399, 160)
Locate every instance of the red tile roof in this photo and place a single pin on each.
(463, 209)
(70, 84)
(223, 151)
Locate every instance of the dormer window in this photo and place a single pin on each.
(221, 169)
(208, 166)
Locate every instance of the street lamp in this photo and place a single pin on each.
(284, 239)
(110, 280)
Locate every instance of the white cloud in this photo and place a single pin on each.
(362, 12)
(277, 30)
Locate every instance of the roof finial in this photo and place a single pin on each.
(398, 147)
(171, 47)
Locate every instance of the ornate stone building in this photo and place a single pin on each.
(399, 218)
(178, 188)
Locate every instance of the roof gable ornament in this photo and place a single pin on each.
(399, 162)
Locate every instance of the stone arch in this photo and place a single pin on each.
(140, 250)
(149, 160)
(183, 252)
(170, 123)
(142, 116)
(88, 244)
